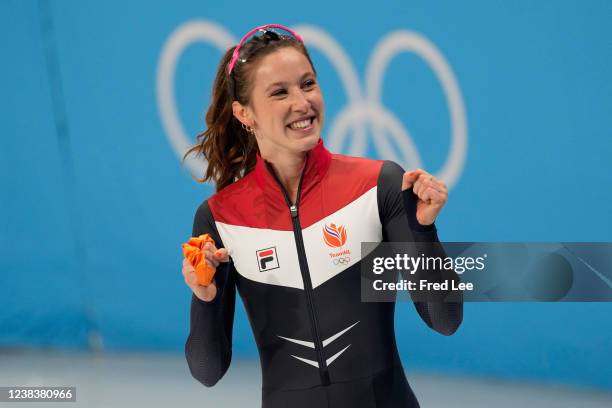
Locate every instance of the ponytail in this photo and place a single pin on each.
(228, 148)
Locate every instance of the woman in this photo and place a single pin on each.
(293, 216)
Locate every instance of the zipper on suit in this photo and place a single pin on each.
(299, 241)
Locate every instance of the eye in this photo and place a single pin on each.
(309, 84)
(279, 92)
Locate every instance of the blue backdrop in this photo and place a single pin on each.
(95, 202)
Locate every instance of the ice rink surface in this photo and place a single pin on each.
(154, 380)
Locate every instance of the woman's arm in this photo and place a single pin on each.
(397, 210)
(209, 346)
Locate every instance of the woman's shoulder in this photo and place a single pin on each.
(355, 159)
(238, 190)
(366, 162)
(359, 166)
(377, 171)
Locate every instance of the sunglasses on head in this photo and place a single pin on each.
(268, 29)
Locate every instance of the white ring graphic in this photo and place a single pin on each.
(355, 115)
(406, 41)
(185, 35)
(362, 110)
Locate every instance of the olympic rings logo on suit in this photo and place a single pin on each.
(364, 107)
(345, 260)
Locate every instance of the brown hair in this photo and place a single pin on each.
(229, 149)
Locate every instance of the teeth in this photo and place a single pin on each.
(301, 124)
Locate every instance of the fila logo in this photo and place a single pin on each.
(334, 236)
(267, 259)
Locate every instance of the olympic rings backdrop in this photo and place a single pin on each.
(509, 103)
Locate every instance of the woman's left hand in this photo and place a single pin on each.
(432, 194)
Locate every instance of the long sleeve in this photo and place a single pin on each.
(209, 346)
(397, 211)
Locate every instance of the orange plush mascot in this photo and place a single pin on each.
(192, 251)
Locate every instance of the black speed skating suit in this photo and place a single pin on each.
(297, 269)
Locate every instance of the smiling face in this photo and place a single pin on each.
(285, 106)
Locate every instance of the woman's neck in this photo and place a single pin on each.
(288, 169)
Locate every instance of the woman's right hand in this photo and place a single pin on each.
(213, 256)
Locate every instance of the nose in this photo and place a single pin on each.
(300, 102)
